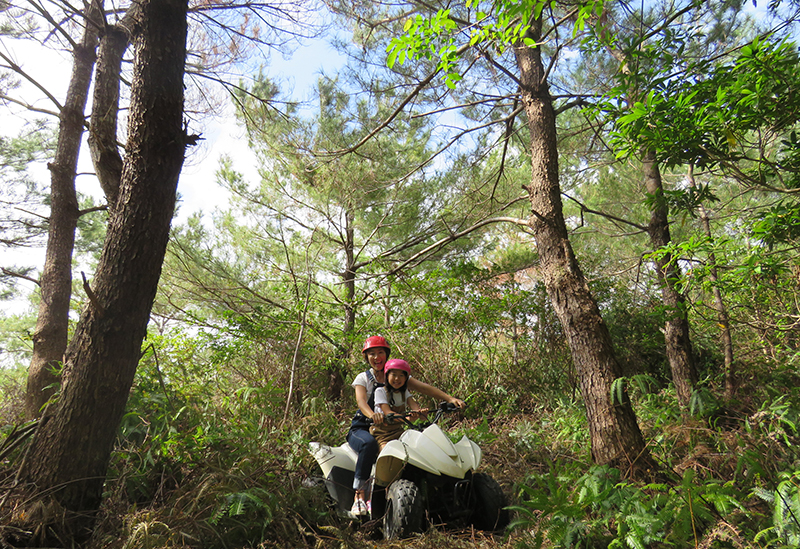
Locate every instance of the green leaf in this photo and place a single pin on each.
(537, 10)
(627, 119)
(618, 390)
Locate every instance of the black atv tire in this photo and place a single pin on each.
(488, 511)
(404, 510)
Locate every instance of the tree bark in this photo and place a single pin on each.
(102, 140)
(69, 454)
(615, 436)
(336, 372)
(55, 284)
(676, 328)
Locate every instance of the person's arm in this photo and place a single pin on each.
(361, 400)
(431, 391)
(414, 406)
(384, 409)
(382, 405)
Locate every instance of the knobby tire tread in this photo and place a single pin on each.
(489, 513)
(404, 510)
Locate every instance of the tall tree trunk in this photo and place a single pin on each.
(50, 333)
(387, 305)
(69, 454)
(614, 431)
(105, 104)
(676, 328)
(719, 303)
(678, 342)
(349, 279)
(336, 373)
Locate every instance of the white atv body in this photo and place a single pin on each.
(423, 471)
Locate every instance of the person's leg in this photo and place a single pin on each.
(366, 447)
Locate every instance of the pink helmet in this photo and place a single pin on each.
(376, 341)
(397, 364)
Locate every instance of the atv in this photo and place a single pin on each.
(422, 475)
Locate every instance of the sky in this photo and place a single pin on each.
(221, 135)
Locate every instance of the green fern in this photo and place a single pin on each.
(238, 504)
(547, 505)
(723, 496)
(786, 514)
(598, 509)
(643, 383)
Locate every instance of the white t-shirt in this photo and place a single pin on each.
(366, 381)
(397, 403)
(369, 383)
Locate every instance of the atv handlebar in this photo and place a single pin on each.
(443, 408)
(447, 407)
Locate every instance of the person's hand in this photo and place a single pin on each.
(377, 418)
(422, 413)
(460, 404)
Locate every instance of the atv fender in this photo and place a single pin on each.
(470, 453)
(430, 450)
(328, 457)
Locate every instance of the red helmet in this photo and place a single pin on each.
(397, 364)
(376, 341)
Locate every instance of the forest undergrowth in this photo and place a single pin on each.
(202, 468)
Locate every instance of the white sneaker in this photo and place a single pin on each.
(359, 508)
